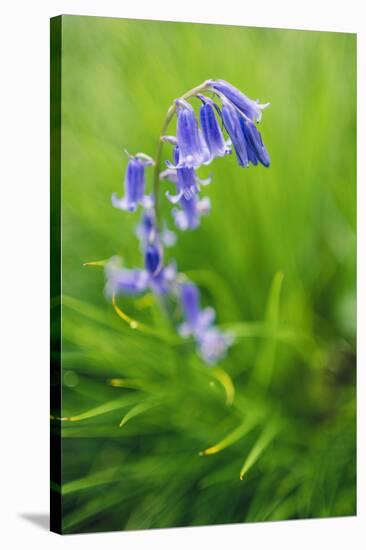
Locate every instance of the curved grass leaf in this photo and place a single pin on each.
(227, 383)
(137, 410)
(259, 447)
(231, 438)
(265, 363)
(102, 409)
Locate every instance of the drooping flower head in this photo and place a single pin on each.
(191, 206)
(245, 137)
(186, 179)
(134, 184)
(131, 282)
(120, 280)
(212, 343)
(211, 129)
(196, 320)
(193, 150)
(164, 280)
(231, 119)
(188, 216)
(255, 146)
(153, 257)
(250, 108)
(146, 230)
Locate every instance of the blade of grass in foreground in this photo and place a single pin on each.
(93, 480)
(259, 447)
(138, 409)
(231, 438)
(93, 314)
(102, 409)
(263, 369)
(91, 509)
(226, 382)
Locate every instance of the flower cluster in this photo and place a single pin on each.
(197, 142)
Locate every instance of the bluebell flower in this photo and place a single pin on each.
(207, 157)
(173, 141)
(163, 281)
(196, 321)
(193, 150)
(153, 257)
(146, 230)
(120, 280)
(250, 108)
(232, 122)
(170, 139)
(211, 129)
(188, 216)
(255, 146)
(186, 179)
(213, 345)
(245, 137)
(134, 184)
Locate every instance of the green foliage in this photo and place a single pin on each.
(151, 436)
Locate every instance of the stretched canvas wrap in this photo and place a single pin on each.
(203, 238)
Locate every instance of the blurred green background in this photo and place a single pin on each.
(276, 258)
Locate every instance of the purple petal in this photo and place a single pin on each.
(153, 258)
(170, 174)
(168, 238)
(124, 281)
(134, 184)
(205, 319)
(211, 130)
(231, 120)
(169, 139)
(190, 302)
(250, 108)
(213, 345)
(122, 204)
(191, 147)
(174, 199)
(162, 282)
(188, 216)
(187, 182)
(255, 143)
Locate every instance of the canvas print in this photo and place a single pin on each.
(203, 274)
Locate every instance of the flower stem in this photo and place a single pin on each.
(170, 113)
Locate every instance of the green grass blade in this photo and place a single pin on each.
(102, 409)
(259, 447)
(266, 358)
(92, 480)
(137, 410)
(231, 438)
(273, 304)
